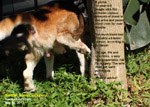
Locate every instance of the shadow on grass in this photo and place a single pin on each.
(12, 66)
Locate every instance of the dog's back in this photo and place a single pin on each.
(48, 22)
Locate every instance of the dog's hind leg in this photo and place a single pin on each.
(49, 61)
(31, 62)
(68, 40)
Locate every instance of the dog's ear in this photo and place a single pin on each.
(19, 31)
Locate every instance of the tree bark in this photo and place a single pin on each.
(107, 36)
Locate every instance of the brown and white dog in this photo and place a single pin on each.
(50, 29)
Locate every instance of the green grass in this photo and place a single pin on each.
(138, 75)
(71, 89)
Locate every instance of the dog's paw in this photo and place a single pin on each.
(29, 86)
(84, 49)
(29, 89)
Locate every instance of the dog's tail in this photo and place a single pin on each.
(80, 30)
(8, 24)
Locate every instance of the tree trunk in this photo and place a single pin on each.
(107, 35)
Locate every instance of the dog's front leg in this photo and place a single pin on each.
(31, 62)
(82, 63)
(49, 61)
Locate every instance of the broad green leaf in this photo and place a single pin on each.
(139, 35)
(132, 8)
(125, 2)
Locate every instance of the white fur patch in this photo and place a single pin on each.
(2, 35)
(82, 63)
(19, 35)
